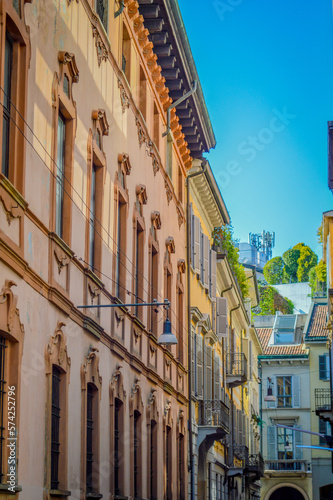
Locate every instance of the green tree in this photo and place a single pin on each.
(290, 259)
(273, 271)
(271, 301)
(306, 261)
(317, 279)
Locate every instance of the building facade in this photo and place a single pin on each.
(285, 402)
(92, 213)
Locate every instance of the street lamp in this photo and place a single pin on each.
(167, 337)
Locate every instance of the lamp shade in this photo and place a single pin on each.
(269, 396)
(167, 337)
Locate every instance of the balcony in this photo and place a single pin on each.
(281, 468)
(239, 460)
(213, 420)
(236, 369)
(323, 404)
(255, 467)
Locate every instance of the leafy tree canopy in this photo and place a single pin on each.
(306, 261)
(273, 271)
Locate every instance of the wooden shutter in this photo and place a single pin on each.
(209, 375)
(250, 359)
(214, 316)
(205, 262)
(271, 404)
(221, 317)
(193, 360)
(199, 367)
(271, 442)
(196, 244)
(322, 367)
(212, 274)
(298, 442)
(217, 377)
(296, 391)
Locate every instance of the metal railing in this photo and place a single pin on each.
(323, 400)
(288, 465)
(236, 364)
(213, 412)
(242, 452)
(256, 463)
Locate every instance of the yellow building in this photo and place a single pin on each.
(316, 336)
(224, 350)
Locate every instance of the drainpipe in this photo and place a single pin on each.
(121, 8)
(189, 337)
(260, 404)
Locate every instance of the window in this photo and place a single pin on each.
(324, 428)
(96, 165)
(121, 225)
(139, 240)
(64, 135)
(284, 391)
(143, 94)
(137, 454)
(118, 447)
(61, 144)
(14, 63)
(181, 468)
(180, 184)
(180, 311)
(2, 394)
(170, 249)
(153, 460)
(92, 484)
(156, 134)
(55, 428)
(126, 54)
(7, 104)
(168, 462)
(324, 367)
(154, 288)
(101, 7)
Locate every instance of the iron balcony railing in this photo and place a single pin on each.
(214, 413)
(288, 465)
(256, 464)
(323, 400)
(236, 364)
(242, 452)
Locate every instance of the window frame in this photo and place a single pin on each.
(284, 395)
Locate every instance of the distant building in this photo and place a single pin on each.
(285, 371)
(299, 294)
(257, 251)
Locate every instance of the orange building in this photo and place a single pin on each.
(92, 213)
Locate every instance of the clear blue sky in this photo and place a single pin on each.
(258, 60)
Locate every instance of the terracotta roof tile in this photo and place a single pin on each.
(317, 327)
(264, 335)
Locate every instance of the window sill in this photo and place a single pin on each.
(60, 493)
(4, 488)
(94, 496)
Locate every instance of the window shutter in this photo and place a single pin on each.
(192, 235)
(271, 404)
(208, 378)
(298, 442)
(323, 427)
(244, 429)
(217, 377)
(193, 364)
(196, 244)
(205, 261)
(200, 381)
(234, 435)
(212, 274)
(271, 442)
(250, 359)
(296, 391)
(214, 316)
(221, 317)
(322, 367)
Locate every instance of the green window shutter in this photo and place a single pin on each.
(271, 442)
(199, 366)
(296, 391)
(322, 367)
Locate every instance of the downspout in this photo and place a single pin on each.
(121, 8)
(260, 404)
(189, 336)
